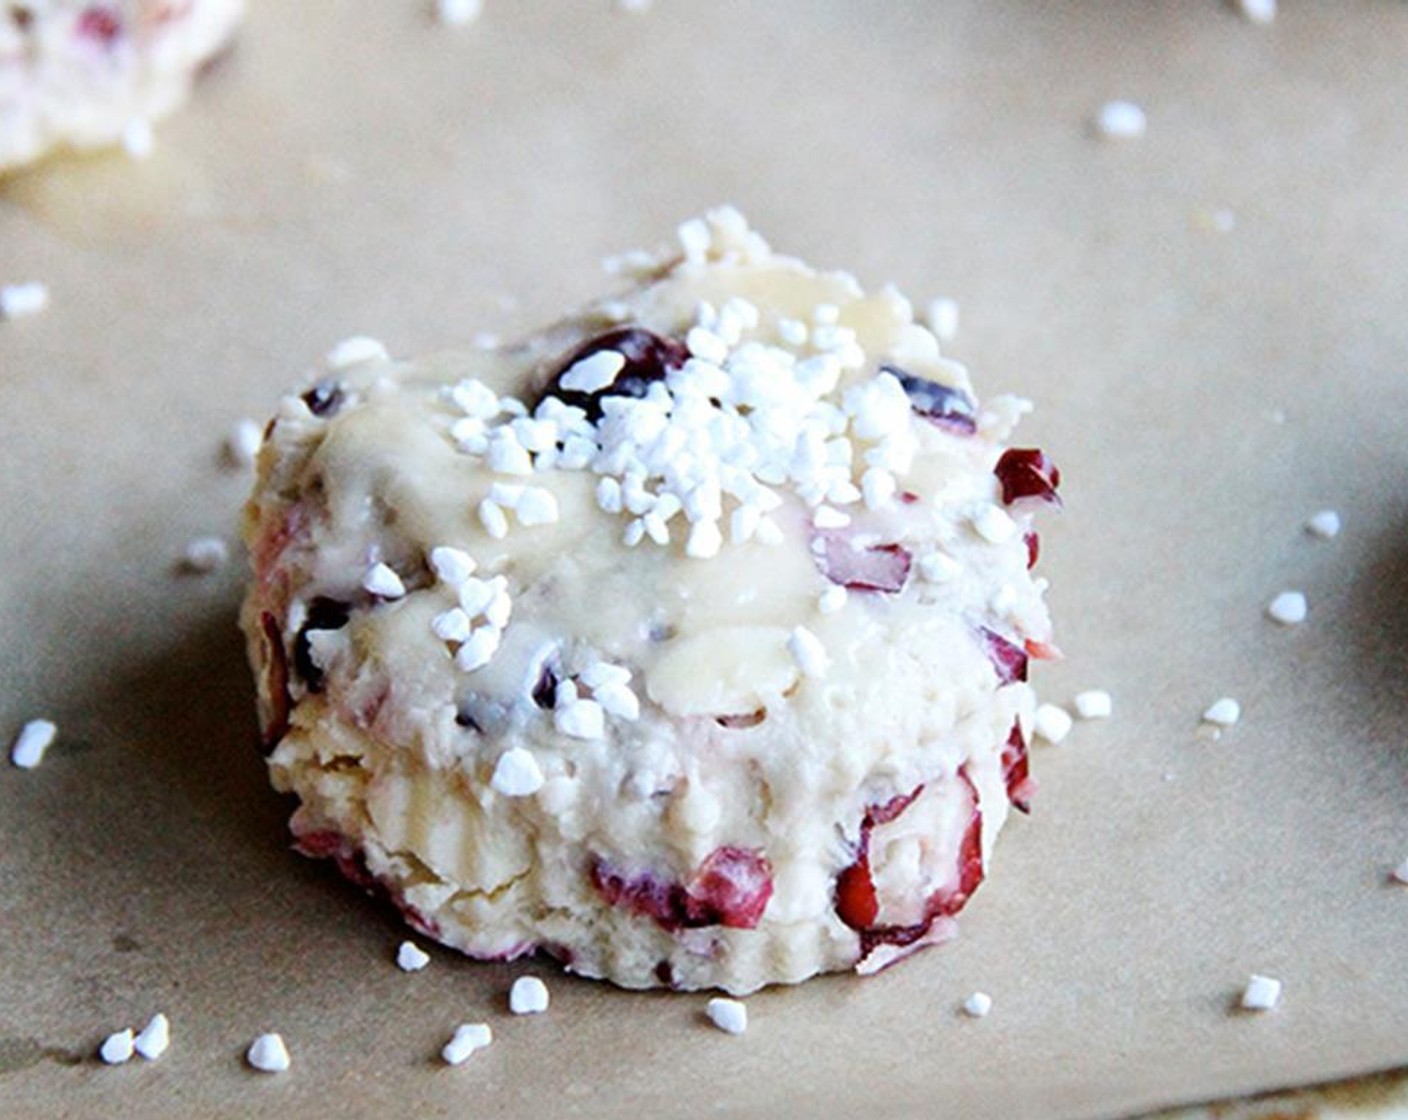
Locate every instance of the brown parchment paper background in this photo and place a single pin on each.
(352, 168)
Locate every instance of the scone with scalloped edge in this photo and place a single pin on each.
(684, 641)
(85, 73)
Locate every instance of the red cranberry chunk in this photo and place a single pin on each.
(324, 398)
(1009, 660)
(876, 567)
(856, 904)
(1026, 472)
(323, 614)
(99, 24)
(970, 859)
(730, 888)
(1016, 770)
(1033, 541)
(649, 357)
(939, 404)
(276, 681)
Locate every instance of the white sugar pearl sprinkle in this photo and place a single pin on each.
(478, 649)
(1121, 120)
(528, 996)
(580, 719)
(468, 1038)
(451, 565)
(154, 1038)
(1052, 723)
(994, 525)
(268, 1054)
(1288, 608)
(1224, 712)
(354, 351)
(34, 739)
(381, 580)
(977, 1005)
(1094, 703)
(1400, 873)
(410, 957)
(243, 443)
(517, 774)
(1262, 993)
(1257, 11)
(205, 555)
(19, 300)
(117, 1047)
(1325, 525)
(729, 1015)
(832, 599)
(942, 318)
(808, 652)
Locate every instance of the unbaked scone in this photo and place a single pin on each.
(82, 74)
(684, 641)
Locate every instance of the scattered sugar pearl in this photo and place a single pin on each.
(452, 625)
(942, 318)
(1257, 11)
(138, 140)
(832, 599)
(1288, 608)
(1121, 120)
(451, 565)
(1401, 872)
(1325, 525)
(458, 13)
(617, 700)
(243, 443)
(205, 555)
(977, 1005)
(1262, 993)
(468, 1038)
(828, 517)
(594, 373)
(729, 1015)
(528, 996)
(1094, 703)
(536, 507)
(410, 957)
(268, 1054)
(517, 774)
(994, 525)
(705, 540)
(117, 1047)
(478, 649)
(938, 567)
(580, 719)
(354, 351)
(493, 518)
(808, 652)
(154, 1038)
(1223, 713)
(34, 739)
(381, 580)
(1052, 723)
(19, 300)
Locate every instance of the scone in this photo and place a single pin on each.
(684, 641)
(80, 73)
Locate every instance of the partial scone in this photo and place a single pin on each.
(81, 74)
(684, 641)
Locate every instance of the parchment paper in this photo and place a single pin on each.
(353, 168)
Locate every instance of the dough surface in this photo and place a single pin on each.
(78, 73)
(684, 641)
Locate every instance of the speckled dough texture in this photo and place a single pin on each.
(685, 641)
(76, 74)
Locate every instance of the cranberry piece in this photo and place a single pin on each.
(323, 614)
(21, 17)
(324, 398)
(649, 357)
(877, 567)
(743, 721)
(1016, 770)
(857, 905)
(1033, 540)
(730, 888)
(545, 689)
(99, 24)
(1042, 651)
(665, 974)
(276, 679)
(1009, 660)
(941, 405)
(1026, 472)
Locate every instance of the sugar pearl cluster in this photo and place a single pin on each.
(703, 455)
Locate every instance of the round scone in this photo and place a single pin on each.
(684, 641)
(84, 73)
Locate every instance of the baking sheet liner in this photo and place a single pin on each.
(352, 168)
